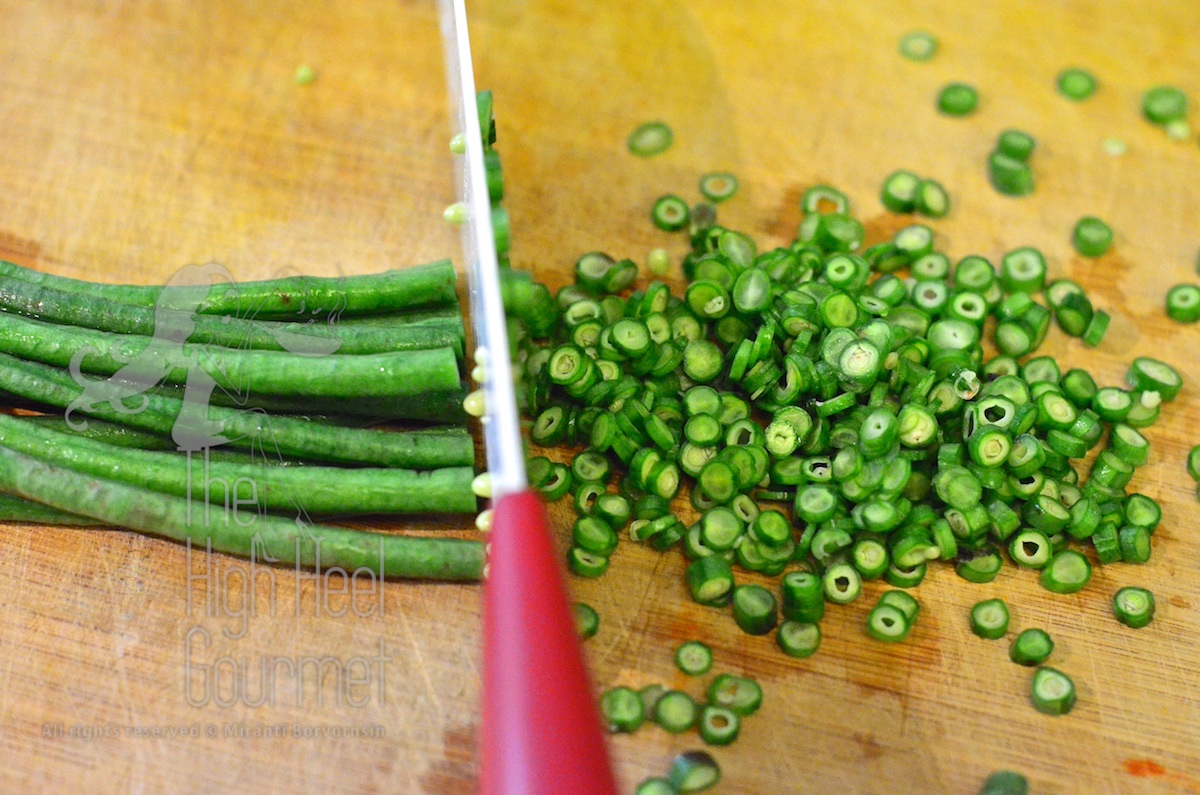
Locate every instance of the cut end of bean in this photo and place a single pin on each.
(650, 139)
(483, 522)
(455, 214)
(1178, 130)
(1162, 105)
(717, 187)
(958, 99)
(481, 486)
(1005, 782)
(1076, 84)
(305, 75)
(658, 262)
(475, 403)
(1114, 147)
(918, 46)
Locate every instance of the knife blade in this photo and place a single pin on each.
(541, 731)
(502, 430)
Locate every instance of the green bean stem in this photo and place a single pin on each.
(421, 286)
(415, 330)
(255, 430)
(400, 376)
(19, 509)
(254, 485)
(266, 537)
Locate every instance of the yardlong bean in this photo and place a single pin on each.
(267, 537)
(254, 484)
(250, 429)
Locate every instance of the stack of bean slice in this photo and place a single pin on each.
(232, 413)
(832, 417)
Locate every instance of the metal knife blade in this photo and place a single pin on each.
(501, 425)
(540, 728)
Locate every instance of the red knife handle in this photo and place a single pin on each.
(541, 728)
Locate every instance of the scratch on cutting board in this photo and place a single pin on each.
(1180, 665)
(627, 626)
(119, 642)
(421, 666)
(12, 604)
(1102, 706)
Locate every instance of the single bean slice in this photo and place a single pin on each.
(1077, 84)
(1096, 330)
(710, 579)
(670, 213)
(899, 191)
(754, 609)
(958, 99)
(1005, 782)
(978, 566)
(583, 563)
(1183, 303)
(694, 658)
(1164, 104)
(887, 623)
(1193, 463)
(842, 582)
(1141, 511)
(1031, 647)
(1031, 549)
(656, 785)
(650, 694)
(587, 620)
(1133, 607)
(676, 711)
(1052, 692)
(621, 708)
(1016, 144)
(718, 725)
(1151, 375)
(918, 46)
(798, 639)
(740, 694)
(1067, 572)
(989, 619)
(904, 602)
(694, 771)
(1134, 543)
(717, 187)
(1091, 236)
(650, 139)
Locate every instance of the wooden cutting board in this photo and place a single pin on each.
(139, 137)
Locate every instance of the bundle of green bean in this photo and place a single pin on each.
(836, 420)
(232, 413)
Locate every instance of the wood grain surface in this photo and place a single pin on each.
(139, 137)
